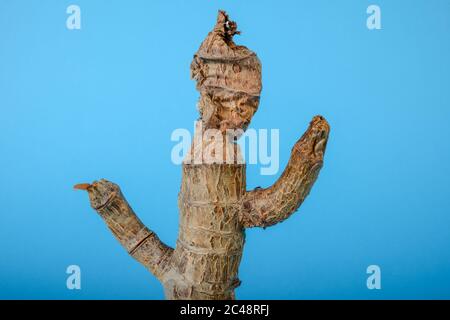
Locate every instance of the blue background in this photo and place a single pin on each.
(103, 101)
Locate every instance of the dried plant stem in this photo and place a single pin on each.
(215, 207)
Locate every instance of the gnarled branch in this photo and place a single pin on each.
(266, 207)
(140, 242)
(214, 206)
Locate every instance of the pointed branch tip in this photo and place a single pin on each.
(82, 186)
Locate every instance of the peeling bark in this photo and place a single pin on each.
(215, 207)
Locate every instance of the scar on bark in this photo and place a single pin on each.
(215, 208)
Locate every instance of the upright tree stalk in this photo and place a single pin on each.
(215, 207)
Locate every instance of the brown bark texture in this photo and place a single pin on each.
(215, 208)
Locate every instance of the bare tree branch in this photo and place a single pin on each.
(140, 242)
(266, 207)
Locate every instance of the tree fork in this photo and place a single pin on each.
(215, 207)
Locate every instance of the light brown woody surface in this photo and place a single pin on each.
(215, 207)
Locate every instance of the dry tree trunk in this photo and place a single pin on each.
(215, 207)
